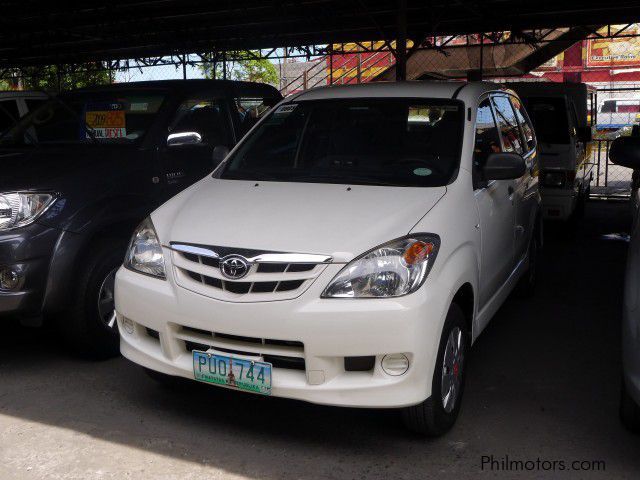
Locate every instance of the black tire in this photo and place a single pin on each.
(527, 284)
(430, 418)
(629, 411)
(81, 325)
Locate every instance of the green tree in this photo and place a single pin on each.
(245, 67)
(52, 78)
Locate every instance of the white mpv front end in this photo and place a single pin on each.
(334, 257)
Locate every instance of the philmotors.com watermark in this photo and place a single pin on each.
(508, 464)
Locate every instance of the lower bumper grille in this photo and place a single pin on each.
(287, 354)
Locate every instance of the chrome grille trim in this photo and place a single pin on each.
(270, 276)
(267, 257)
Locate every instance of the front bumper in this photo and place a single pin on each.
(27, 250)
(328, 329)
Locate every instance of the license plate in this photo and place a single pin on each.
(234, 372)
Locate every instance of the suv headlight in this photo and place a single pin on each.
(393, 269)
(18, 209)
(145, 252)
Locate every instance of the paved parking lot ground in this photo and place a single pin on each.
(543, 384)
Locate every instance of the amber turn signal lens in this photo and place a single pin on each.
(417, 252)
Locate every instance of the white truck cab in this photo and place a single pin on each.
(561, 114)
(348, 251)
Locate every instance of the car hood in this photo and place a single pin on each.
(338, 220)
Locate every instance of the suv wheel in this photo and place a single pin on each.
(437, 414)
(629, 411)
(89, 325)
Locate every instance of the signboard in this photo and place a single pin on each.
(615, 52)
(107, 121)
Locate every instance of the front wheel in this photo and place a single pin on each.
(437, 414)
(89, 325)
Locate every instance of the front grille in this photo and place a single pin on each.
(197, 267)
(287, 354)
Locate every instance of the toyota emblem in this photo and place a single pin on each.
(234, 266)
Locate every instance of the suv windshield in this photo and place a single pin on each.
(395, 142)
(87, 117)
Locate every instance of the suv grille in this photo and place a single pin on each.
(280, 353)
(270, 275)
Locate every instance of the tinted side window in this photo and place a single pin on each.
(206, 116)
(34, 103)
(487, 137)
(250, 110)
(525, 124)
(508, 125)
(8, 114)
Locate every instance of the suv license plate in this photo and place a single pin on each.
(234, 372)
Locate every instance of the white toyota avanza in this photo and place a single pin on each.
(347, 252)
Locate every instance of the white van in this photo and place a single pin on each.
(616, 113)
(347, 252)
(561, 116)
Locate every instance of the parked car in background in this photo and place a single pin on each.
(616, 113)
(16, 104)
(625, 151)
(82, 170)
(561, 116)
(348, 251)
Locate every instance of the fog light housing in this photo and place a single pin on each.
(127, 324)
(395, 364)
(9, 278)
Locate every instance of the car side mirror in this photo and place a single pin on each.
(504, 166)
(585, 134)
(220, 152)
(183, 138)
(625, 151)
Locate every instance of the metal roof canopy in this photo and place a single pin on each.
(39, 33)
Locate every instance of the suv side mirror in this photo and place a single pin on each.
(220, 152)
(585, 134)
(625, 151)
(504, 166)
(183, 138)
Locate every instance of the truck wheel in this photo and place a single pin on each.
(89, 326)
(437, 414)
(629, 411)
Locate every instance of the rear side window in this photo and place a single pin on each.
(525, 125)
(508, 125)
(549, 117)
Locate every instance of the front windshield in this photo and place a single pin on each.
(395, 142)
(108, 117)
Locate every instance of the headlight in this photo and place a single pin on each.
(18, 209)
(145, 252)
(396, 268)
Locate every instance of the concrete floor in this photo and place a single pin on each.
(542, 383)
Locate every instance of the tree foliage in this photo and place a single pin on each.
(54, 78)
(249, 68)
